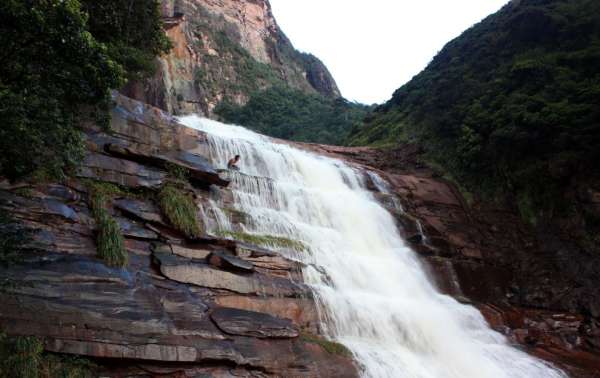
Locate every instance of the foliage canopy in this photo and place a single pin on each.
(56, 72)
(294, 115)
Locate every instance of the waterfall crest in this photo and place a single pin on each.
(373, 295)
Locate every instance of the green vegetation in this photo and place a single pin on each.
(180, 210)
(109, 238)
(294, 115)
(23, 357)
(233, 71)
(56, 72)
(263, 240)
(131, 30)
(330, 346)
(511, 108)
(178, 172)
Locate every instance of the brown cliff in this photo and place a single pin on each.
(225, 50)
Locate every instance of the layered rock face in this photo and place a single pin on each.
(182, 306)
(223, 51)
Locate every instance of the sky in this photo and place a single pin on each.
(373, 47)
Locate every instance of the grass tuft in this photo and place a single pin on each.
(178, 172)
(24, 357)
(263, 240)
(180, 210)
(330, 346)
(109, 238)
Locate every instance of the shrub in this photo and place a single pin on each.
(180, 210)
(132, 31)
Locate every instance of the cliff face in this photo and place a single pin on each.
(181, 305)
(225, 50)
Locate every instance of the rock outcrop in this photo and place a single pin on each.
(182, 306)
(223, 51)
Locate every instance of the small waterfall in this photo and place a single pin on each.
(373, 294)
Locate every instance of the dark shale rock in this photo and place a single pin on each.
(134, 230)
(249, 323)
(227, 262)
(143, 210)
(122, 172)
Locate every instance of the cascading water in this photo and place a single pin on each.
(372, 292)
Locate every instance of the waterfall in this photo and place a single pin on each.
(373, 295)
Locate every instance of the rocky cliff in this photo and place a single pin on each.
(225, 50)
(181, 304)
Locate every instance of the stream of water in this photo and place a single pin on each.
(373, 294)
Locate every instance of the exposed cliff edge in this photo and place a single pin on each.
(223, 51)
(182, 304)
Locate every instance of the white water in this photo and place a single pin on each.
(373, 294)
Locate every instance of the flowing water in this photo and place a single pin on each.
(373, 295)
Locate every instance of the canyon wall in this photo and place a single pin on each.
(224, 50)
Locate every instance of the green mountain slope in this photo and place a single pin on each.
(511, 108)
(290, 114)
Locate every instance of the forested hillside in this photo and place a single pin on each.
(510, 109)
(291, 114)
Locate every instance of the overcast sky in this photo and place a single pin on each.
(373, 47)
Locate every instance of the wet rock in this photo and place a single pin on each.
(62, 193)
(55, 207)
(199, 168)
(121, 172)
(191, 253)
(302, 311)
(187, 271)
(134, 230)
(144, 210)
(249, 323)
(227, 262)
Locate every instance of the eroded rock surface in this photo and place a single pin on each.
(218, 48)
(180, 307)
